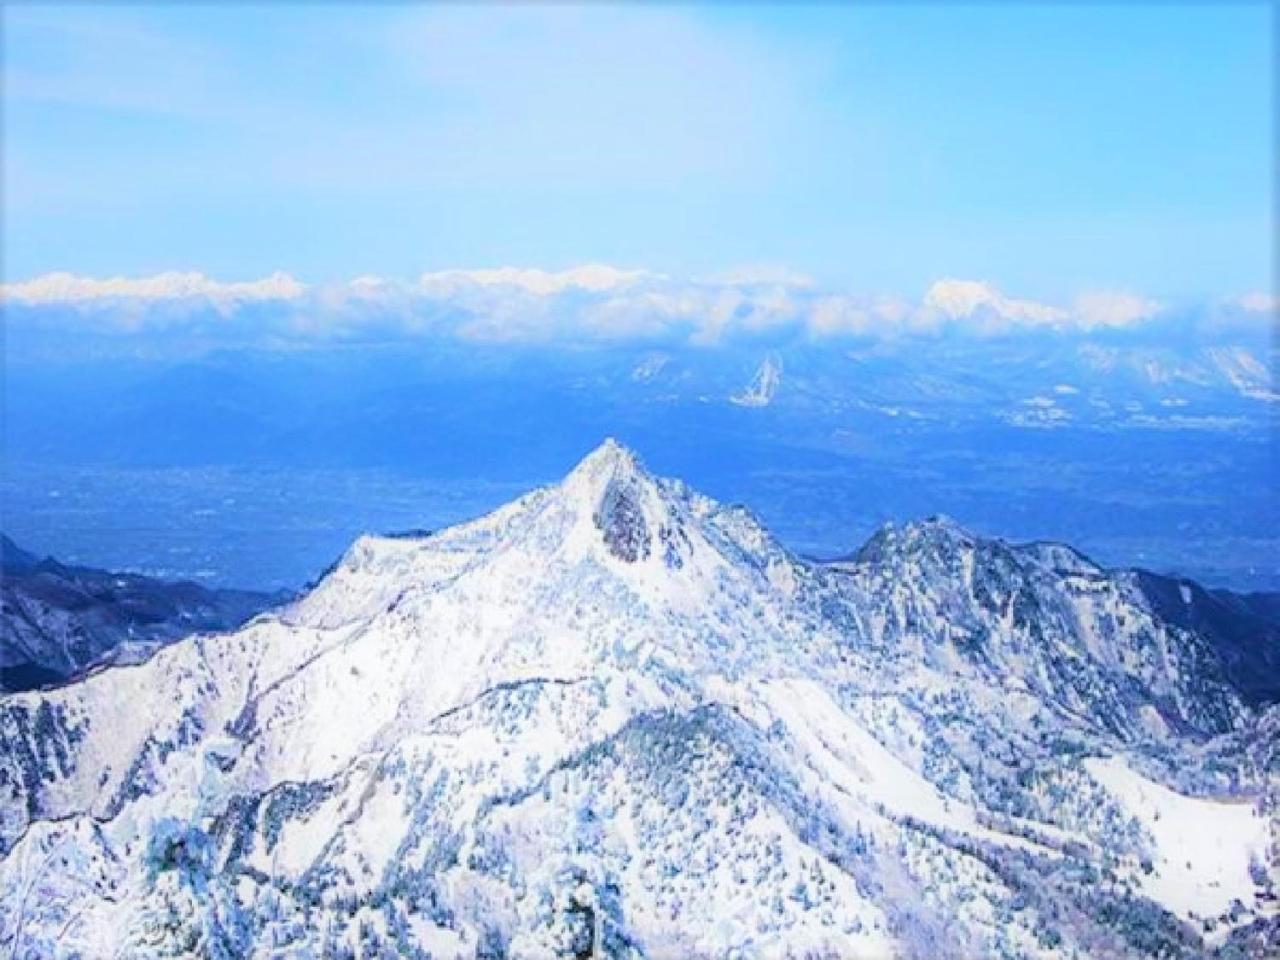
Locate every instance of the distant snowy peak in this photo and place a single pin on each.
(763, 386)
(650, 367)
(1244, 372)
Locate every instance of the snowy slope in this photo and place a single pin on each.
(615, 716)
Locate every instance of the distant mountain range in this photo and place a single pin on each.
(60, 621)
(617, 718)
(1142, 451)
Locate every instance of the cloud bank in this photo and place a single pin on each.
(593, 302)
(67, 288)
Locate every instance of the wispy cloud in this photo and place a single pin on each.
(1258, 302)
(762, 274)
(651, 96)
(109, 61)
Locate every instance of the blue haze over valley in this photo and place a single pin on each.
(262, 427)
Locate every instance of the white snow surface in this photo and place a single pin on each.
(1202, 848)
(615, 716)
(760, 391)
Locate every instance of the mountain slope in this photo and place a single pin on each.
(1243, 629)
(617, 716)
(60, 620)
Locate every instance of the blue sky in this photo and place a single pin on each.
(1048, 149)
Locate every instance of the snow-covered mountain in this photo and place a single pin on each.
(759, 392)
(615, 718)
(57, 621)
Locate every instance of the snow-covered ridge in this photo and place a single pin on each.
(555, 729)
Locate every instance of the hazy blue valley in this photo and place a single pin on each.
(254, 468)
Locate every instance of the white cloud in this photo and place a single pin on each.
(836, 315)
(1113, 309)
(593, 277)
(1258, 302)
(761, 274)
(989, 310)
(982, 303)
(1253, 312)
(593, 302)
(67, 288)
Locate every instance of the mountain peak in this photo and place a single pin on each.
(939, 527)
(13, 557)
(610, 448)
(608, 464)
(609, 457)
(621, 496)
(935, 532)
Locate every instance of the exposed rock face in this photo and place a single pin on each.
(620, 515)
